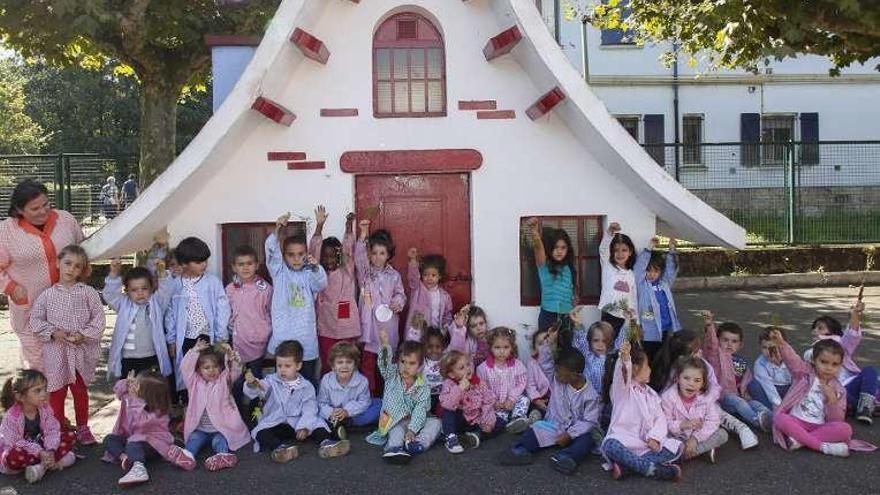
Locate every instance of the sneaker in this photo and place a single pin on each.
(285, 453)
(747, 438)
(470, 440)
(794, 444)
(333, 448)
(341, 433)
(865, 409)
(34, 473)
(124, 462)
(765, 421)
(414, 447)
(221, 461)
(711, 456)
(669, 472)
(517, 426)
(535, 415)
(516, 456)
(135, 476)
(616, 471)
(837, 449)
(68, 460)
(84, 436)
(452, 444)
(396, 455)
(376, 439)
(563, 463)
(181, 458)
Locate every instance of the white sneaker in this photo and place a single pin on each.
(67, 461)
(747, 438)
(135, 476)
(794, 444)
(838, 449)
(34, 473)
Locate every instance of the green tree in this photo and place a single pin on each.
(18, 132)
(746, 33)
(160, 42)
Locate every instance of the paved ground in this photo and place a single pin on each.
(767, 469)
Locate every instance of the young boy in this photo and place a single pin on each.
(290, 409)
(344, 398)
(297, 277)
(770, 376)
(404, 426)
(199, 308)
(657, 315)
(250, 298)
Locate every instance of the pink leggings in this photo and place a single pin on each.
(809, 434)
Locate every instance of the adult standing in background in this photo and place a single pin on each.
(110, 198)
(130, 191)
(30, 240)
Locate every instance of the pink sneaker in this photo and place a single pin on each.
(84, 436)
(221, 461)
(181, 458)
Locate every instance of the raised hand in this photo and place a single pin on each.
(625, 349)
(321, 215)
(282, 221)
(251, 380)
(613, 228)
(672, 243)
(654, 242)
(200, 345)
(776, 337)
(115, 267)
(413, 255)
(533, 224)
(461, 317)
(364, 226)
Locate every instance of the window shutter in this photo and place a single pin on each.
(612, 36)
(810, 138)
(654, 137)
(750, 137)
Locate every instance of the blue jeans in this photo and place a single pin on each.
(749, 411)
(864, 383)
(645, 464)
(370, 416)
(199, 438)
(454, 422)
(578, 449)
(117, 445)
(756, 392)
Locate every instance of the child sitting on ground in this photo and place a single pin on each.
(467, 404)
(654, 276)
(537, 385)
(770, 376)
(595, 343)
(436, 342)
(506, 376)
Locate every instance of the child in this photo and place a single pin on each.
(338, 316)
(638, 437)
(290, 408)
(297, 277)
(537, 384)
(466, 403)
(617, 255)
(506, 376)
(426, 296)
(691, 416)
(139, 335)
(382, 297)
(211, 415)
(556, 274)
(812, 412)
(572, 415)
(30, 437)
(404, 426)
(199, 308)
(771, 378)
(468, 333)
(344, 399)
(141, 429)
(594, 344)
(436, 342)
(655, 275)
(69, 318)
(720, 349)
(250, 299)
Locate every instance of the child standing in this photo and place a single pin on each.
(691, 415)
(211, 415)
(468, 333)
(250, 300)
(199, 308)
(617, 255)
(506, 376)
(382, 296)
(69, 318)
(770, 376)
(556, 273)
(338, 316)
(655, 275)
(297, 277)
(30, 437)
(290, 408)
(467, 404)
(638, 436)
(426, 296)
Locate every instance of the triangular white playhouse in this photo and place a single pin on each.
(446, 121)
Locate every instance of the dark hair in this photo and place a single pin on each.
(551, 237)
(695, 363)
(503, 333)
(344, 350)
(436, 332)
(411, 347)
(571, 360)
(382, 237)
(833, 325)
(25, 192)
(290, 349)
(23, 381)
(435, 261)
(153, 389)
(449, 360)
(137, 273)
(637, 358)
(294, 239)
(244, 250)
(131, 177)
(657, 261)
(210, 354)
(623, 239)
(828, 345)
(565, 327)
(334, 244)
(192, 250)
(537, 333)
(78, 251)
(729, 327)
(680, 344)
(764, 335)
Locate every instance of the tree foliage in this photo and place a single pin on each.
(18, 132)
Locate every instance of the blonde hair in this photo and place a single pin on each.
(604, 327)
(503, 333)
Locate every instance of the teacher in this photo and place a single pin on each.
(30, 240)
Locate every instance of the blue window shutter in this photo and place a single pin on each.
(654, 138)
(810, 138)
(612, 36)
(750, 137)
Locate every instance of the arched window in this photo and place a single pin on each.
(409, 68)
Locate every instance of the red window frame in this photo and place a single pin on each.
(588, 288)
(256, 234)
(427, 37)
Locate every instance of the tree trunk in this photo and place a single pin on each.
(158, 128)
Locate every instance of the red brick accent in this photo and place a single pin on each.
(310, 46)
(496, 114)
(410, 161)
(502, 43)
(231, 40)
(285, 156)
(339, 112)
(477, 104)
(273, 111)
(305, 165)
(545, 103)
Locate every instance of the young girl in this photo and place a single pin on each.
(435, 345)
(691, 415)
(69, 317)
(770, 376)
(537, 384)
(141, 429)
(638, 438)
(468, 333)
(506, 376)
(426, 295)
(30, 437)
(654, 276)
(595, 343)
(556, 274)
(467, 404)
(211, 415)
(338, 316)
(382, 296)
(812, 412)
(617, 255)
(139, 335)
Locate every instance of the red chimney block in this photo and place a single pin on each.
(545, 103)
(273, 111)
(502, 43)
(310, 46)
